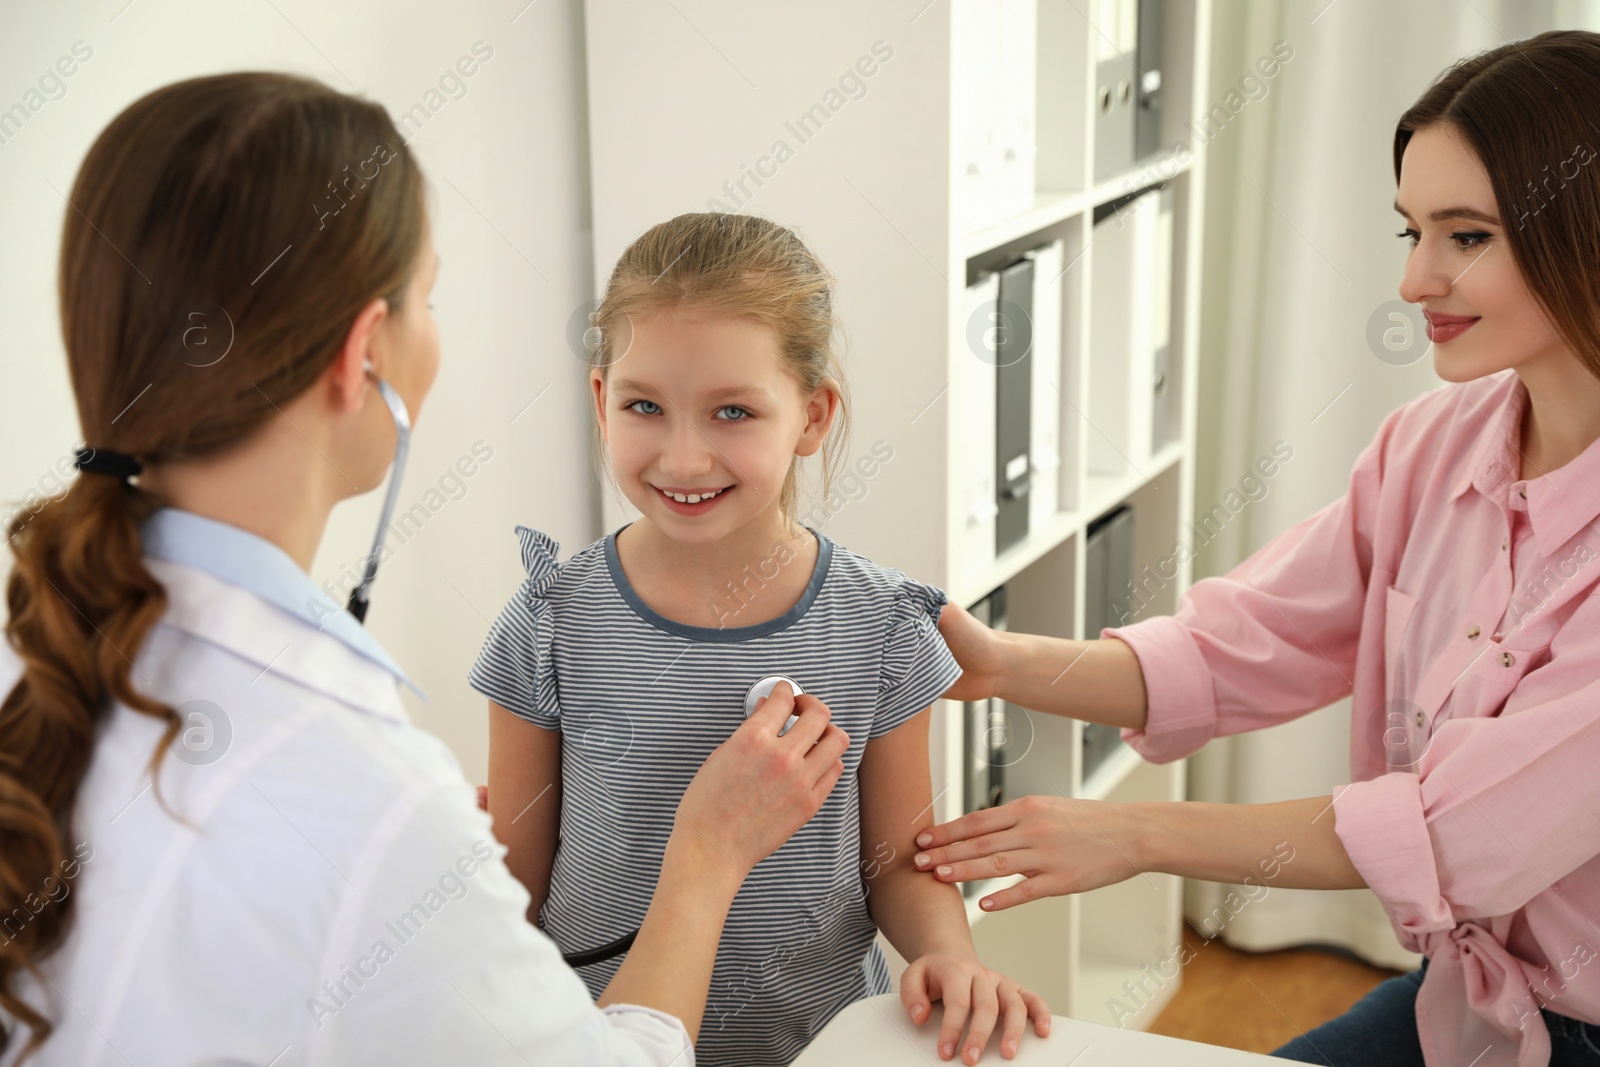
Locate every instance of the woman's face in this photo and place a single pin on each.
(1482, 317)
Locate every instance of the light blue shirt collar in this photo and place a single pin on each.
(251, 562)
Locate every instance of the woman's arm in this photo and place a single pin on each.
(925, 921)
(1097, 681)
(1071, 846)
(525, 798)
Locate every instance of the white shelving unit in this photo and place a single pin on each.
(696, 105)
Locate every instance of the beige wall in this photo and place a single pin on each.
(506, 155)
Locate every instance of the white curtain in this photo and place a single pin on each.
(1298, 255)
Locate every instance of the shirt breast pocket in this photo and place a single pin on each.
(1398, 608)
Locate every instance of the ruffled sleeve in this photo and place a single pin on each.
(917, 666)
(515, 669)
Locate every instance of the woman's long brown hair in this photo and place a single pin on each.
(222, 236)
(1525, 108)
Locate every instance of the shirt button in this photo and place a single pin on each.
(1507, 659)
(1422, 720)
(1472, 632)
(1523, 493)
(1505, 542)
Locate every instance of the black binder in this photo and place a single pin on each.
(1108, 601)
(1013, 405)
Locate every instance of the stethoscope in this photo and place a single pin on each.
(753, 696)
(359, 599)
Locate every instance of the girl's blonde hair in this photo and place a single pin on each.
(735, 265)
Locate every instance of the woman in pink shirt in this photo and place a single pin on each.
(1448, 593)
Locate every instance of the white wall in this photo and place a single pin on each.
(507, 166)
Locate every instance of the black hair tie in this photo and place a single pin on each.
(114, 464)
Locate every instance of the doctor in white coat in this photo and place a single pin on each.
(221, 841)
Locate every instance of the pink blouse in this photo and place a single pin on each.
(1453, 602)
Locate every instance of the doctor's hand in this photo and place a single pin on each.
(757, 788)
(1060, 846)
(976, 648)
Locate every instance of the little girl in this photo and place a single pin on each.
(612, 677)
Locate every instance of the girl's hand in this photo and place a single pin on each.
(483, 798)
(757, 788)
(977, 649)
(1061, 846)
(968, 988)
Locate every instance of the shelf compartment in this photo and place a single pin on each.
(1130, 933)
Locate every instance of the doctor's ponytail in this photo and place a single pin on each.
(263, 211)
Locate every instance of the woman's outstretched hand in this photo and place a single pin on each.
(1060, 846)
(976, 648)
(757, 788)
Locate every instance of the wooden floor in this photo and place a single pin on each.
(1257, 1001)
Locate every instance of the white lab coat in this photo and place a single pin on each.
(339, 900)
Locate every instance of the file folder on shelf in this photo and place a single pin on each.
(1147, 100)
(973, 440)
(1049, 384)
(1116, 83)
(993, 62)
(1014, 411)
(1108, 574)
(1130, 401)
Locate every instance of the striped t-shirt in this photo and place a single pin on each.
(641, 701)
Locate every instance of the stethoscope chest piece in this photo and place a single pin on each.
(763, 689)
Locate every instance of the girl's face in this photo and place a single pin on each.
(1482, 317)
(702, 422)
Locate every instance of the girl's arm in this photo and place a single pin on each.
(525, 798)
(925, 921)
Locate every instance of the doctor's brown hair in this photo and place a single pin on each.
(1525, 109)
(264, 211)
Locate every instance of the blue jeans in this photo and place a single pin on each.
(1380, 1030)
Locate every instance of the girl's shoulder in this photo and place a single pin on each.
(550, 577)
(888, 588)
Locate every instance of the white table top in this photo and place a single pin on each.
(878, 1031)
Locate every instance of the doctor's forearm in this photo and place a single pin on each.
(1096, 681)
(669, 966)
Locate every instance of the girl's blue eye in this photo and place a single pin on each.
(630, 405)
(743, 413)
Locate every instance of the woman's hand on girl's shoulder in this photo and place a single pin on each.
(976, 648)
(972, 993)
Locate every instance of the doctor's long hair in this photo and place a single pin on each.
(1525, 108)
(265, 211)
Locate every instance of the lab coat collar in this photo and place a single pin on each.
(1560, 502)
(249, 563)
